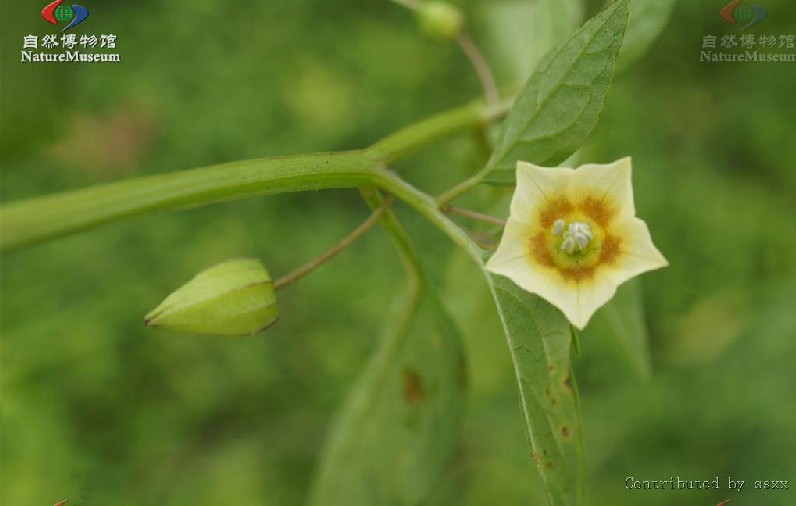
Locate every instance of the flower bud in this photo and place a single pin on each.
(440, 19)
(233, 298)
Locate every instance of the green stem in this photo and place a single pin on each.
(465, 186)
(409, 139)
(400, 238)
(38, 219)
(480, 66)
(35, 220)
(427, 206)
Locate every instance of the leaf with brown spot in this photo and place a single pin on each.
(397, 431)
(540, 340)
(413, 387)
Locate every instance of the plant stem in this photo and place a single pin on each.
(34, 220)
(42, 218)
(400, 238)
(410, 138)
(427, 206)
(444, 200)
(347, 241)
(475, 215)
(481, 67)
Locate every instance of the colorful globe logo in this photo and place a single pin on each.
(743, 14)
(737, 12)
(56, 13)
(63, 13)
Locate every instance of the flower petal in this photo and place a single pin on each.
(578, 301)
(590, 297)
(513, 250)
(638, 255)
(605, 195)
(535, 187)
(611, 182)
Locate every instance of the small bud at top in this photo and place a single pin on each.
(440, 19)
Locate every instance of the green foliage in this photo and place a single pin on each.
(100, 409)
(399, 427)
(523, 31)
(233, 298)
(560, 104)
(539, 339)
(622, 318)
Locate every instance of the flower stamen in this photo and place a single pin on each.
(576, 242)
(558, 227)
(576, 238)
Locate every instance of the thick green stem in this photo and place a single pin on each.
(408, 139)
(30, 221)
(427, 206)
(38, 219)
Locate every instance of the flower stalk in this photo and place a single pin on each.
(475, 215)
(344, 243)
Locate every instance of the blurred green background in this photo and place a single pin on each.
(99, 408)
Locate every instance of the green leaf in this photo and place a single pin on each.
(540, 341)
(647, 20)
(520, 32)
(622, 318)
(397, 431)
(562, 100)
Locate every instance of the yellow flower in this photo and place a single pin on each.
(573, 237)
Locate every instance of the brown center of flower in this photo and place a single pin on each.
(553, 248)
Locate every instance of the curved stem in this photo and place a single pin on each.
(427, 206)
(398, 234)
(444, 200)
(481, 67)
(42, 218)
(35, 220)
(347, 241)
(409, 139)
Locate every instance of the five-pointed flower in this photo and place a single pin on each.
(572, 236)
